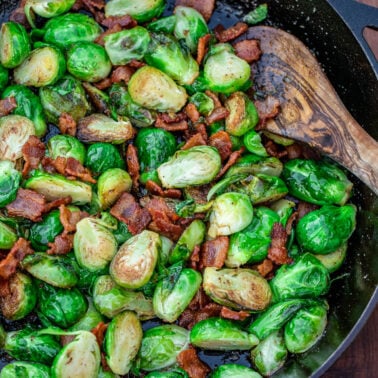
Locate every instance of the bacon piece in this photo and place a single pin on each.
(28, 204)
(174, 126)
(194, 140)
(155, 189)
(18, 15)
(127, 210)
(99, 332)
(249, 50)
(133, 166)
(202, 47)
(222, 142)
(226, 35)
(198, 193)
(231, 161)
(190, 362)
(33, 151)
(226, 313)
(214, 97)
(205, 7)
(122, 73)
(159, 204)
(201, 128)
(194, 258)
(265, 267)
(217, 114)
(69, 219)
(103, 84)
(214, 252)
(275, 150)
(57, 203)
(192, 112)
(136, 64)
(125, 21)
(7, 106)
(277, 251)
(305, 208)
(266, 109)
(294, 151)
(62, 245)
(100, 40)
(9, 265)
(67, 125)
(289, 224)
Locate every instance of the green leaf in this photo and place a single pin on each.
(257, 15)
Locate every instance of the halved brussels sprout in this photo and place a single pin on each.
(234, 371)
(89, 320)
(54, 186)
(21, 369)
(4, 77)
(122, 342)
(126, 45)
(203, 103)
(14, 44)
(134, 263)
(141, 11)
(252, 142)
(7, 236)
(333, 261)
(100, 128)
(163, 25)
(66, 146)
(161, 345)
(284, 208)
(44, 66)
(221, 334)
(231, 212)
(79, 358)
(94, 245)
(153, 89)
(9, 182)
(237, 288)
(21, 299)
(194, 166)
(15, 131)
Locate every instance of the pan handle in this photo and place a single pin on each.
(357, 16)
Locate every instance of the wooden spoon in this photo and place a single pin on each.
(311, 110)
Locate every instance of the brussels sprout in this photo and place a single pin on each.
(29, 345)
(88, 61)
(106, 374)
(66, 146)
(175, 373)
(153, 89)
(163, 25)
(46, 8)
(55, 270)
(79, 358)
(110, 299)
(21, 298)
(7, 236)
(67, 95)
(194, 166)
(161, 345)
(305, 328)
(135, 261)
(122, 342)
(14, 44)
(251, 244)
(203, 103)
(333, 261)
(166, 54)
(141, 11)
(190, 26)
(278, 139)
(221, 334)
(192, 236)
(224, 72)
(20, 369)
(242, 117)
(9, 182)
(155, 146)
(119, 228)
(54, 186)
(169, 302)
(284, 208)
(63, 307)
(94, 245)
(65, 30)
(270, 355)
(28, 105)
(232, 212)
(4, 77)
(237, 288)
(90, 319)
(15, 130)
(234, 371)
(100, 128)
(306, 278)
(44, 66)
(126, 45)
(252, 141)
(324, 230)
(320, 182)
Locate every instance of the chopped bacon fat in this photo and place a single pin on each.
(265, 267)
(217, 114)
(33, 151)
(62, 245)
(189, 361)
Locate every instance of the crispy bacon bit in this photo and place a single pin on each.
(305, 208)
(122, 73)
(103, 84)
(234, 315)
(7, 106)
(69, 219)
(249, 50)
(62, 245)
(18, 15)
(289, 224)
(192, 112)
(95, 7)
(267, 109)
(194, 140)
(202, 47)
(265, 267)
(66, 339)
(214, 97)
(99, 332)
(222, 142)
(67, 125)
(125, 21)
(198, 193)
(277, 251)
(217, 115)
(28, 204)
(214, 252)
(57, 203)
(174, 126)
(133, 166)
(33, 151)
(136, 64)
(171, 117)
(275, 150)
(127, 210)
(231, 161)
(100, 40)
(157, 190)
(226, 35)
(9, 265)
(189, 361)
(195, 258)
(205, 7)
(294, 151)
(201, 128)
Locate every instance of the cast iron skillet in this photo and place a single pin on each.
(353, 71)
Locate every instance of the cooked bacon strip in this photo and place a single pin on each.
(62, 245)
(194, 258)
(157, 190)
(33, 151)
(136, 64)
(214, 97)
(103, 84)
(202, 47)
(305, 208)
(201, 128)
(192, 316)
(100, 40)
(127, 210)
(226, 35)
(7, 106)
(69, 219)
(125, 21)
(249, 50)
(231, 161)
(267, 109)
(222, 142)
(9, 265)
(198, 193)
(174, 126)
(192, 112)
(265, 267)
(57, 203)
(289, 224)
(277, 251)
(165, 227)
(159, 204)
(275, 150)
(28, 204)
(122, 74)
(95, 7)
(194, 140)
(205, 7)
(234, 315)
(189, 361)
(133, 166)
(217, 115)
(214, 252)
(67, 125)
(99, 332)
